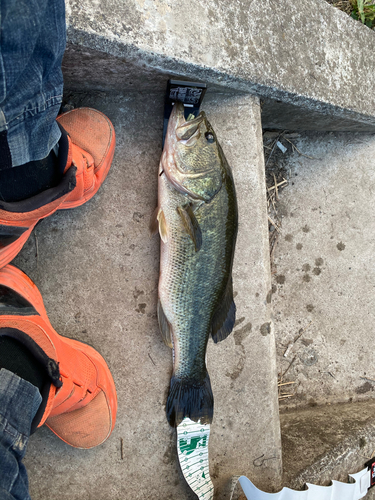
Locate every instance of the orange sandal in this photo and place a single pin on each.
(90, 146)
(79, 400)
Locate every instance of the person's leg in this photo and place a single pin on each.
(46, 164)
(19, 402)
(33, 39)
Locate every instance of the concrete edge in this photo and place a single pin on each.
(280, 106)
(348, 456)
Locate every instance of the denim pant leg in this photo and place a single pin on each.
(19, 401)
(33, 39)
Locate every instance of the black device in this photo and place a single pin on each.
(189, 93)
(371, 467)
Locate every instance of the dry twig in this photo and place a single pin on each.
(290, 346)
(274, 224)
(298, 151)
(285, 383)
(284, 181)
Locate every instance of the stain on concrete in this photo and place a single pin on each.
(319, 262)
(307, 342)
(340, 246)
(269, 297)
(274, 288)
(282, 209)
(242, 333)
(289, 237)
(141, 308)
(362, 442)
(257, 295)
(137, 216)
(170, 454)
(280, 279)
(306, 278)
(306, 267)
(309, 357)
(137, 293)
(342, 342)
(239, 367)
(299, 246)
(317, 271)
(366, 387)
(215, 472)
(310, 307)
(306, 229)
(265, 329)
(239, 321)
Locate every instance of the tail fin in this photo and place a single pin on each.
(190, 399)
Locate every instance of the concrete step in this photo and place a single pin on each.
(326, 442)
(323, 305)
(324, 276)
(306, 60)
(97, 269)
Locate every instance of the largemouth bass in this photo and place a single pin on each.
(197, 221)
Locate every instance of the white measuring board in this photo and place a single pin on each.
(192, 449)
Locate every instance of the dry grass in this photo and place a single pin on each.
(344, 5)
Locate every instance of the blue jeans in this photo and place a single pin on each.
(19, 402)
(33, 39)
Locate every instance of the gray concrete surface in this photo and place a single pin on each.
(303, 54)
(325, 278)
(327, 442)
(97, 269)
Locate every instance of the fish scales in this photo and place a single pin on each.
(194, 282)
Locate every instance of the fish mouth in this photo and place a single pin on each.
(186, 132)
(184, 129)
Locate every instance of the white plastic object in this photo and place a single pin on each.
(192, 449)
(336, 491)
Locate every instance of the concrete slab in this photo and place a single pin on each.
(294, 55)
(324, 284)
(325, 443)
(97, 269)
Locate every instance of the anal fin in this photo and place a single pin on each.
(164, 326)
(225, 315)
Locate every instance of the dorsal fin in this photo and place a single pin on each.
(225, 315)
(164, 325)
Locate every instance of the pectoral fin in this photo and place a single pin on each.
(191, 225)
(164, 325)
(225, 315)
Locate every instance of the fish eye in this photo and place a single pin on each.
(210, 137)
